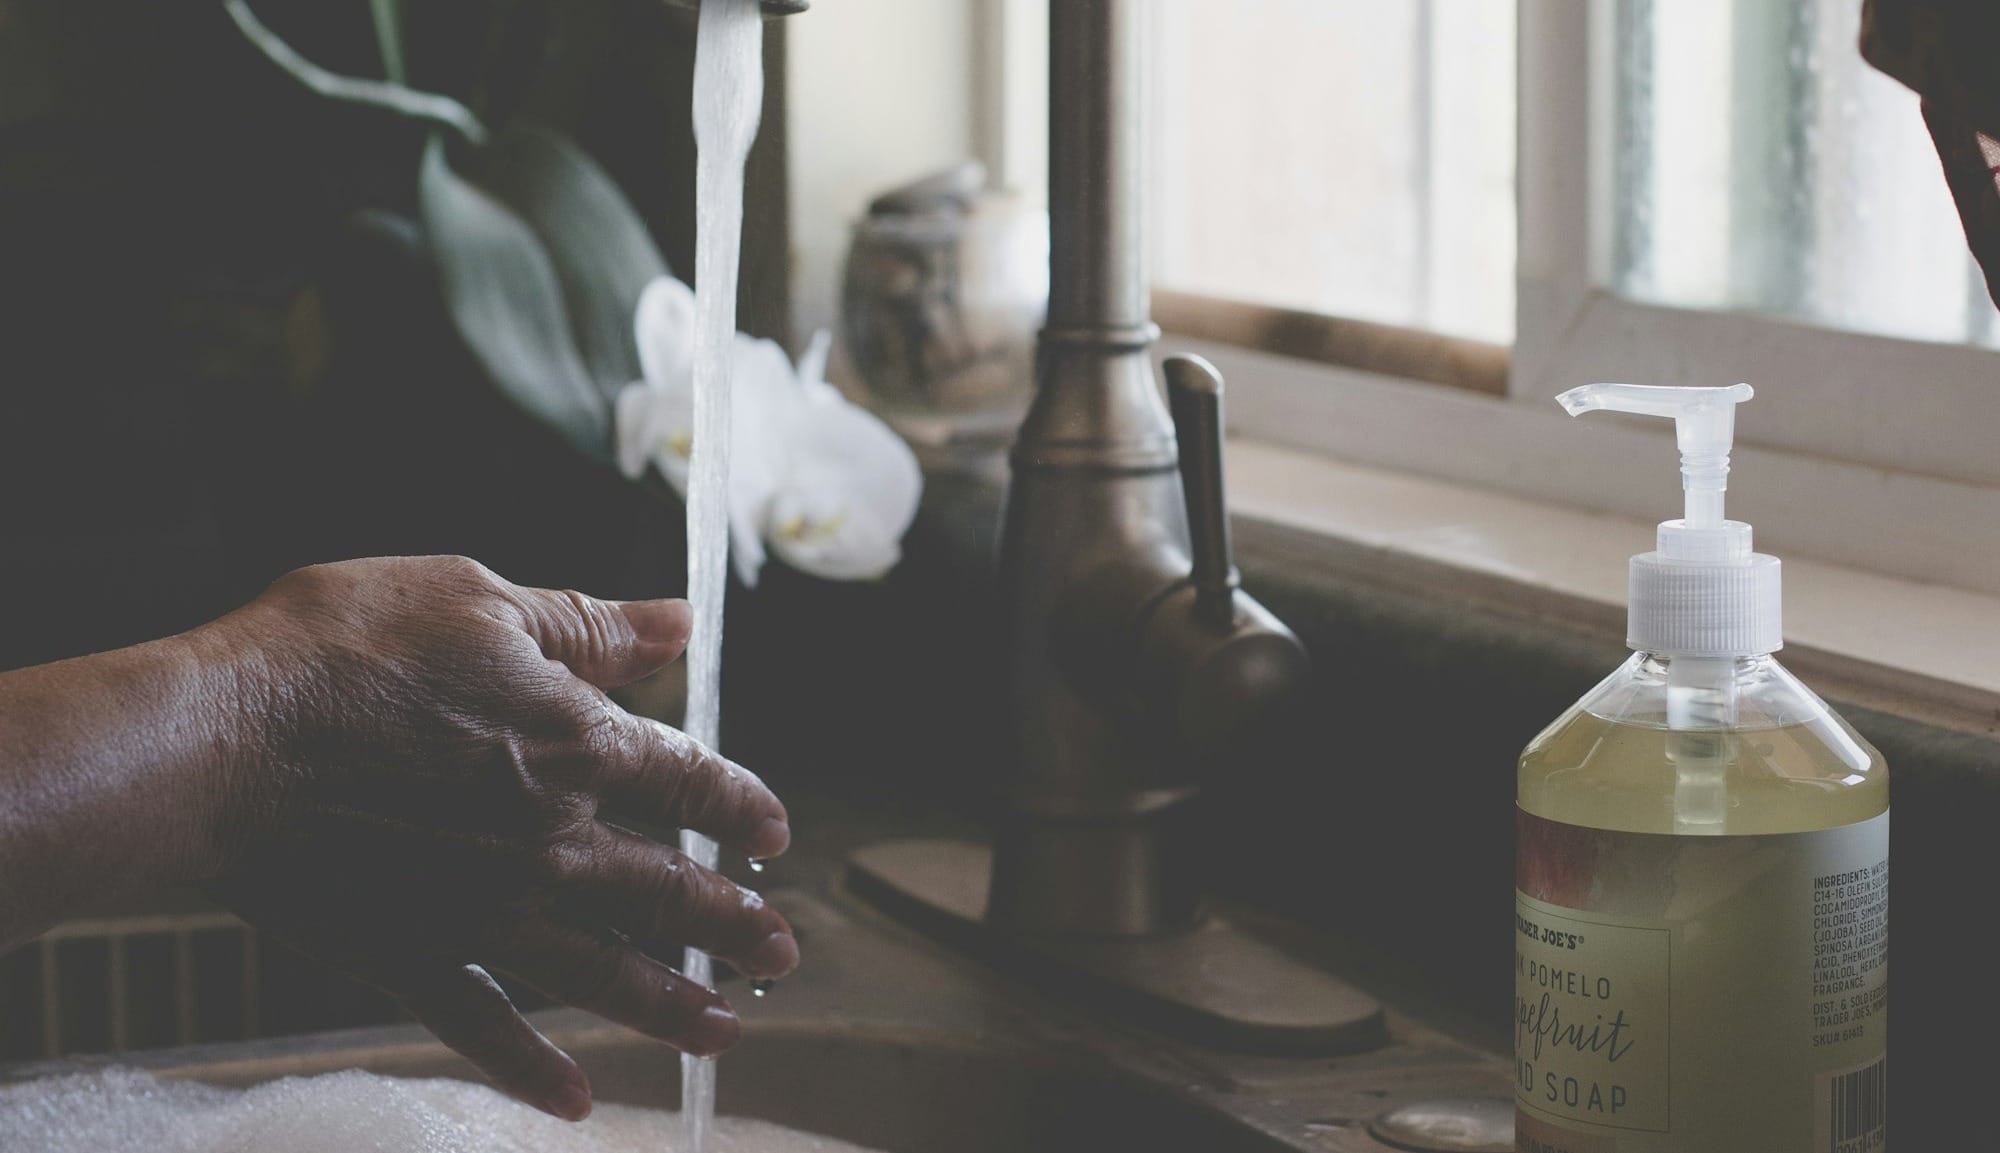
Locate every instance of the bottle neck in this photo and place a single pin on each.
(1655, 690)
(1704, 692)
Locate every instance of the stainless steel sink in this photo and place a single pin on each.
(885, 1039)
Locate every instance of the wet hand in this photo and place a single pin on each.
(435, 793)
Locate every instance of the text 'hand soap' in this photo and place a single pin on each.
(1702, 866)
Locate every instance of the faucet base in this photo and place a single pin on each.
(1213, 984)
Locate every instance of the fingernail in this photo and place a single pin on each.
(571, 1102)
(774, 956)
(717, 1029)
(772, 838)
(664, 622)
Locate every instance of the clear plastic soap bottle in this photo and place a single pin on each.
(1702, 865)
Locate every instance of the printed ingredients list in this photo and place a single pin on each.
(1850, 934)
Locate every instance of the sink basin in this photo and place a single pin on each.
(904, 1093)
(886, 1039)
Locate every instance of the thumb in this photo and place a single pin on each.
(608, 643)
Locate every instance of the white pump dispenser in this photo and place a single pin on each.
(1702, 593)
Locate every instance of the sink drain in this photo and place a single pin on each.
(1454, 1125)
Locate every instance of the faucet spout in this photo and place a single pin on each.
(772, 8)
(1096, 165)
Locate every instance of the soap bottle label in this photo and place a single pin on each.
(1699, 994)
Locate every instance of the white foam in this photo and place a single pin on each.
(129, 1111)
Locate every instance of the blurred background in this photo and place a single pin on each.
(224, 344)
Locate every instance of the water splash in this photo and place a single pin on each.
(728, 99)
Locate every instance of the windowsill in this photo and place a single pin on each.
(1367, 346)
(1915, 527)
(1881, 639)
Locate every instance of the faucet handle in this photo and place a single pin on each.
(1194, 395)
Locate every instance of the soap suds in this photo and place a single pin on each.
(129, 1111)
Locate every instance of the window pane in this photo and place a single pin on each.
(1761, 164)
(1351, 157)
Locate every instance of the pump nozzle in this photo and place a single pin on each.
(1702, 592)
(1704, 425)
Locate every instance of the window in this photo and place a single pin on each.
(1760, 164)
(1871, 450)
(1352, 159)
(1664, 191)
(1357, 160)
(1656, 246)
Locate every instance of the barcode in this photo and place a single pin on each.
(1860, 1104)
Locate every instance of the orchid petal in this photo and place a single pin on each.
(655, 424)
(663, 326)
(636, 424)
(764, 402)
(746, 550)
(850, 490)
(812, 363)
(814, 479)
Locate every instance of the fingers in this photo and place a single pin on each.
(608, 643)
(602, 975)
(665, 902)
(658, 772)
(641, 764)
(469, 1011)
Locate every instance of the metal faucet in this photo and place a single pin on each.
(1136, 662)
(1136, 666)
(772, 8)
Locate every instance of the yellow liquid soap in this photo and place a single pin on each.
(1701, 918)
(1605, 774)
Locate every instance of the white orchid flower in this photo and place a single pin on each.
(849, 486)
(824, 483)
(655, 416)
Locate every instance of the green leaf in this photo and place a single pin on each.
(602, 253)
(507, 301)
